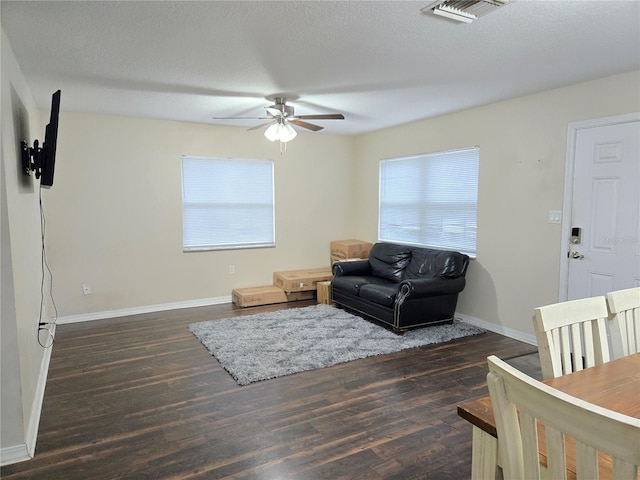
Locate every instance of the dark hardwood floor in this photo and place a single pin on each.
(140, 398)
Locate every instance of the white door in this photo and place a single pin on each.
(604, 235)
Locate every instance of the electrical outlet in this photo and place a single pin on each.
(232, 269)
(86, 289)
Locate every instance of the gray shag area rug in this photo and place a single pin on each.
(269, 345)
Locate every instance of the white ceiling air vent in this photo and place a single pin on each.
(463, 10)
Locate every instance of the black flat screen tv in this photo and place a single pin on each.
(50, 143)
(42, 160)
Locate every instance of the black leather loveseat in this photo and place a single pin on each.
(402, 286)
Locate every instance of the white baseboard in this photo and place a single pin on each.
(26, 451)
(204, 302)
(506, 331)
(14, 454)
(86, 317)
(38, 399)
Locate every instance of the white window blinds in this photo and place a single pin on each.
(430, 200)
(227, 203)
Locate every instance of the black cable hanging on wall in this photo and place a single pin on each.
(42, 325)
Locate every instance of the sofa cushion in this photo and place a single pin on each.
(435, 263)
(349, 284)
(384, 294)
(451, 264)
(421, 265)
(389, 260)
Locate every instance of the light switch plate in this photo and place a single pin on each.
(555, 216)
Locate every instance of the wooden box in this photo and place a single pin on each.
(267, 295)
(324, 292)
(301, 280)
(349, 249)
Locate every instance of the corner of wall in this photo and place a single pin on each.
(501, 329)
(23, 360)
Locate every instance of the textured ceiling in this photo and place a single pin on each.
(381, 63)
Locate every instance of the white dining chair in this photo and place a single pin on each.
(624, 321)
(521, 403)
(572, 335)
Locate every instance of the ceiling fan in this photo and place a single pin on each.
(279, 118)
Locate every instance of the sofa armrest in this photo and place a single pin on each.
(430, 287)
(356, 267)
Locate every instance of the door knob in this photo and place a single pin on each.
(576, 255)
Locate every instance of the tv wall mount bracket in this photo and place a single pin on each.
(32, 158)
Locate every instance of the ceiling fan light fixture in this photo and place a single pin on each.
(287, 133)
(280, 131)
(272, 133)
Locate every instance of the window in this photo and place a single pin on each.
(430, 200)
(227, 203)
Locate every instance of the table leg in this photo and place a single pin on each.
(484, 456)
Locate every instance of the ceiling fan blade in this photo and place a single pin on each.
(240, 118)
(302, 124)
(274, 112)
(264, 124)
(323, 116)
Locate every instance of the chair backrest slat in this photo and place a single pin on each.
(586, 461)
(556, 464)
(622, 469)
(529, 442)
(564, 348)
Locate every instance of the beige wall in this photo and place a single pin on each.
(22, 356)
(114, 217)
(522, 162)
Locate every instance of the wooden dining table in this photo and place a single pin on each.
(614, 385)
